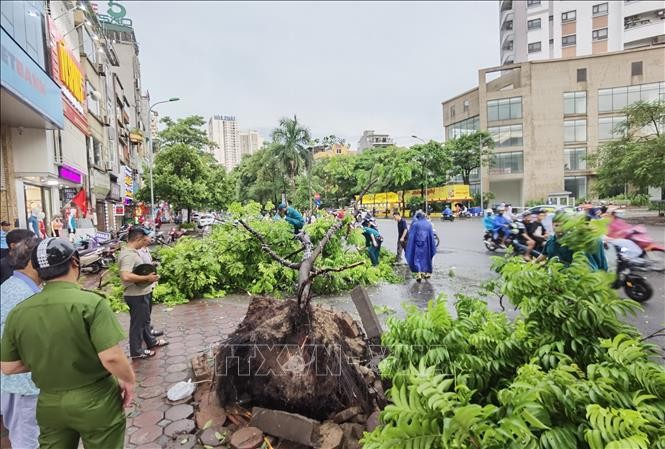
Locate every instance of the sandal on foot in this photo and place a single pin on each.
(160, 342)
(147, 353)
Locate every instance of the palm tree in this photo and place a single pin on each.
(291, 143)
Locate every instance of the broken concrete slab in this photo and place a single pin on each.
(331, 436)
(290, 426)
(373, 421)
(352, 431)
(247, 438)
(366, 311)
(346, 414)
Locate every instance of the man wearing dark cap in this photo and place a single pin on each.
(13, 238)
(67, 338)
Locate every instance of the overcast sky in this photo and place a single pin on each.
(342, 67)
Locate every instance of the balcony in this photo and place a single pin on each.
(643, 27)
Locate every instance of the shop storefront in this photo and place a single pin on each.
(31, 104)
(101, 189)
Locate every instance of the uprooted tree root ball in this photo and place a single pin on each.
(308, 367)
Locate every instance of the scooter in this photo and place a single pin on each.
(492, 245)
(91, 261)
(619, 229)
(175, 234)
(635, 285)
(447, 217)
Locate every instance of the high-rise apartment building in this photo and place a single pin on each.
(547, 116)
(534, 30)
(370, 139)
(223, 130)
(250, 142)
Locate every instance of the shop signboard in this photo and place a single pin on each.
(21, 76)
(66, 70)
(68, 194)
(70, 174)
(128, 184)
(119, 210)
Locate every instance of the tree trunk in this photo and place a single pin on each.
(189, 214)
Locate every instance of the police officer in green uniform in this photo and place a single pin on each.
(67, 338)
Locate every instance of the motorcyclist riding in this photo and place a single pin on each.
(501, 228)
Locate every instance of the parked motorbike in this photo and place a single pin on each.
(449, 217)
(91, 260)
(636, 286)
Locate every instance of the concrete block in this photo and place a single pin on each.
(366, 311)
(290, 426)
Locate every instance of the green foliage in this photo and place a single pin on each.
(567, 373)
(465, 154)
(231, 260)
(580, 234)
(638, 157)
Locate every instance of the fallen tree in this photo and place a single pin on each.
(293, 355)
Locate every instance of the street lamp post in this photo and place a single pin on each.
(426, 173)
(151, 152)
(480, 172)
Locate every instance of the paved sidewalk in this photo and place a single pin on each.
(189, 328)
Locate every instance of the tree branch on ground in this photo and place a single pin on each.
(266, 247)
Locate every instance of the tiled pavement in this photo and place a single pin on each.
(189, 328)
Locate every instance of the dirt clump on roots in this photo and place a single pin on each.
(299, 361)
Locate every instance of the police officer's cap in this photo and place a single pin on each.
(52, 252)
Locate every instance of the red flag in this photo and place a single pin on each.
(80, 201)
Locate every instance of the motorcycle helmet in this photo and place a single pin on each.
(489, 211)
(501, 209)
(52, 252)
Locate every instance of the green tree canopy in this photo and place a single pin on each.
(637, 158)
(291, 142)
(464, 153)
(186, 131)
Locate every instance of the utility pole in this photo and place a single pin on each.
(480, 170)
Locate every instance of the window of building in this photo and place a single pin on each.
(568, 41)
(551, 19)
(533, 24)
(617, 98)
(574, 102)
(508, 25)
(23, 22)
(599, 35)
(574, 131)
(463, 127)
(581, 75)
(93, 105)
(599, 9)
(452, 111)
(551, 41)
(507, 163)
(509, 45)
(504, 109)
(574, 159)
(532, 2)
(576, 185)
(636, 68)
(568, 16)
(534, 47)
(507, 136)
(466, 105)
(608, 127)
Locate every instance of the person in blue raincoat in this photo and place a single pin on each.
(488, 220)
(421, 248)
(292, 216)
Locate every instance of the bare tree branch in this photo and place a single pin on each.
(326, 238)
(321, 271)
(268, 249)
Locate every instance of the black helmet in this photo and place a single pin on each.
(52, 252)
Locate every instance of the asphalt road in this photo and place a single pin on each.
(462, 263)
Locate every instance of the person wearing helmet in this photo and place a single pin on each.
(501, 227)
(85, 379)
(488, 220)
(292, 216)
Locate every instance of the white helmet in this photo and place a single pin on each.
(489, 211)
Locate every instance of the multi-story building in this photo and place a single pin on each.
(223, 131)
(32, 121)
(533, 30)
(336, 149)
(250, 142)
(547, 116)
(67, 126)
(370, 139)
